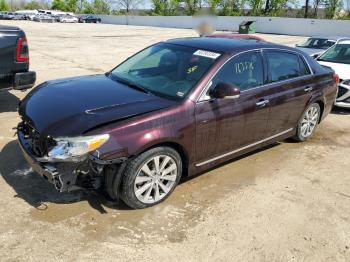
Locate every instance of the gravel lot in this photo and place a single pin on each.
(288, 202)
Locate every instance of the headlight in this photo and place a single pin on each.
(75, 149)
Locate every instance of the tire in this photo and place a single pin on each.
(308, 122)
(142, 189)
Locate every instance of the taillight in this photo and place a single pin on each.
(22, 52)
(336, 78)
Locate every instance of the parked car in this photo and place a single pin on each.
(14, 57)
(8, 16)
(173, 110)
(338, 58)
(30, 16)
(89, 19)
(2, 15)
(315, 46)
(18, 16)
(44, 18)
(68, 19)
(236, 36)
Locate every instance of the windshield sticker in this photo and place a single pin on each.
(208, 54)
(192, 69)
(180, 94)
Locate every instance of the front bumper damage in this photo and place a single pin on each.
(65, 176)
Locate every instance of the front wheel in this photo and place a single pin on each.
(308, 122)
(151, 177)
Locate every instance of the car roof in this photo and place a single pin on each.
(224, 45)
(335, 38)
(234, 35)
(345, 41)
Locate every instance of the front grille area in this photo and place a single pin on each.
(39, 145)
(341, 91)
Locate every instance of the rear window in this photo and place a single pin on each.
(285, 65)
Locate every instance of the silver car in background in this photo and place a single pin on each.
(44, 18)
(8, 16)
(68, 19)
(315, 46)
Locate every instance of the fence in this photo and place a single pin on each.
(272, 25)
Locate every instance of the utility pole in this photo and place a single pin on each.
(267, 6)
(306, 8)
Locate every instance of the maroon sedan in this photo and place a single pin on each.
(172, 110)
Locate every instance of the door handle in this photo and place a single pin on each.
(308, 89)
(263, 103)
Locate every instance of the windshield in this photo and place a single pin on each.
(317, 43)
(165, 70)
(339, 53)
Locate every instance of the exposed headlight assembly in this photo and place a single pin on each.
(74, 149)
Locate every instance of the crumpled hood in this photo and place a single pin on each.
(71, 106)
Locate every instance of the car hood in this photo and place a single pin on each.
(72, 106)
(311, 51)
(343, 70)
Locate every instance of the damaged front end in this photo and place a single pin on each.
(64, 162)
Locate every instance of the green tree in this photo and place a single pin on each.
(191, 6)
(101, 7)
(88, 8)
(32, 5)
(332, 7)
(165, 7)
(213, 5)
(128, 5)
(65, 5)
(4, 6)
(256, 7)
(71, 5)
(231, 7)
(277, 7)
(58, 5)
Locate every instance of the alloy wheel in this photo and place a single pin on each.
(309, 121)
(155, 179)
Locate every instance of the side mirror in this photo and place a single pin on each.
(315, 56)
(225, 91)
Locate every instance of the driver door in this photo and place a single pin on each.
(226, 125)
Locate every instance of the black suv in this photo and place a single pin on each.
(14, 57)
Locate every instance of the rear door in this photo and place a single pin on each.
(290, 84)
(224, 125)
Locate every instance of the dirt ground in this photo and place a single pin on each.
(288, 202)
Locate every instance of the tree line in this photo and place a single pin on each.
(311, 8)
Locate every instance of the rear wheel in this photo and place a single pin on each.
(308, 122)
(151, 177)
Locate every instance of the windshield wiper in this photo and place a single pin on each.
(131, 84)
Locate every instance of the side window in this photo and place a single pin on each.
(284, 65)
(244, 71)
(304, 69)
